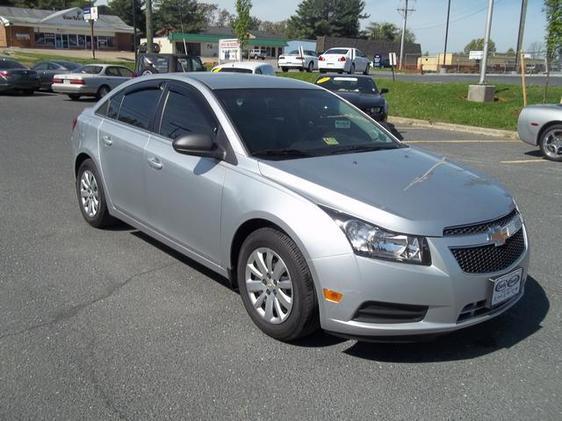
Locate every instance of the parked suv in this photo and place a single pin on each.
(148, 64)
(318, 214)
(256, 53)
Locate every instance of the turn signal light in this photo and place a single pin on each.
(332, 296)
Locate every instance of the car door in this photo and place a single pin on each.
(113, 77)
(184, 191)
(123, 136)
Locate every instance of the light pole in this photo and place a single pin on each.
(521, 33)
(486, 42)
(149, 38)
(446, 33)
(134, 28)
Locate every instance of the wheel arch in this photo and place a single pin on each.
(243, 231)
(82, 156)
(544, 128)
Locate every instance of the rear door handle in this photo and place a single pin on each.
(107, 140)
(155, 163)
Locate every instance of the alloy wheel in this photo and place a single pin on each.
(553, 143)
(89, 194)
(269, 285)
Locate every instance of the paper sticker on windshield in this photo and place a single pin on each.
(323, 80)
(330, 141)
(343, 124)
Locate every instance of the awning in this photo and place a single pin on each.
(214, 38)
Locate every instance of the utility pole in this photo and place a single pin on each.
(93, 44)
(486, 42)
(404, 12)
(134, 28)
(521, 33)
(446, 33)
(149, 37)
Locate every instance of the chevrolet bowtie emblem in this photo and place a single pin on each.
(498, 236)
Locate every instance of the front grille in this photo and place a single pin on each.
(485, 259)
(378, 312)
(480, 227)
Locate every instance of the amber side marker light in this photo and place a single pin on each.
(332, 296)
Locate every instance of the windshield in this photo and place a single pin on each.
(362, 85)
(337, 51)
(91, 70)
(294, 123)
(8, 64)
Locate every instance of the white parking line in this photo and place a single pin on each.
(524, 161)
(461, 141)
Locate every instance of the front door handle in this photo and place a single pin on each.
(107, 140)
(155, 163)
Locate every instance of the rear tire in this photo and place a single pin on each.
(102, 91)
(284, 69)
(551, 143)
(74, 97)
(279, 297)
(91, 196)
(310, 67)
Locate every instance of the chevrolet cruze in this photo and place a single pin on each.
(316, 213)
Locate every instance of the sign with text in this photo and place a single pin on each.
(229, 50)
(392, 59)
(91, 13)
(476, 55)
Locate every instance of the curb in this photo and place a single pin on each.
(454, 127)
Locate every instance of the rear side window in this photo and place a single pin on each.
(186, 113)
(91, 70)
(138, 107)
(110, 108)
(124, 72)
(112, 71)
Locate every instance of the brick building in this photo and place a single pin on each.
(64, 29)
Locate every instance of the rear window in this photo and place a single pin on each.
(234, 70)
(337, 51)
(348, 84)
(9, 64)
(91, 70)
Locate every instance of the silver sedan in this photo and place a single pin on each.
(317, 213)
(541, 125)
(91, 80)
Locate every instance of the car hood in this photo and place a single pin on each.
(362, 101)
(403, 190)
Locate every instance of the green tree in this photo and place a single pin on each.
(389, 32)
(124, 10)
(478, 45)
(315, 18)
(242, 22)
(553, 37)
(180, 15)
(511, 52)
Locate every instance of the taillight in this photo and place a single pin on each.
(74, 121)
(57, 80)
(342, 58)
(321, 58)
(4, 73)
(77, 82)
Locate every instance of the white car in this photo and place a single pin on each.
(344, 60)
(245, 67)
(294, 60)
(91, 80)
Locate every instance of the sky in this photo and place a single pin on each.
(468, 19)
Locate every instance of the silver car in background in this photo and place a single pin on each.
(541, 125)
(317, 214)
(95, 80)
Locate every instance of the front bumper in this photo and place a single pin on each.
(67, 88)
(442, 288)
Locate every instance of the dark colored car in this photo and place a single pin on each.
(47, 69)
(16, 77)
(148, 64)
(360, 90)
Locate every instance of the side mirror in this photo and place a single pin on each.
(198, 145)
(384, 91)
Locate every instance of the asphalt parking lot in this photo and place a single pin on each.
(113, 325)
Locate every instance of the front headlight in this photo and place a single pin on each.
(374, 110)
(372, 241)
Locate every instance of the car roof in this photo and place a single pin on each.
(215, 81)
(344, 76)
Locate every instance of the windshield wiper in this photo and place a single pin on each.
(289, 153)
(360, 148)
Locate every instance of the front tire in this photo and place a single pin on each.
(551, 143)
(310, 67)
(91, 196)
(74, 97)
(276, 286)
